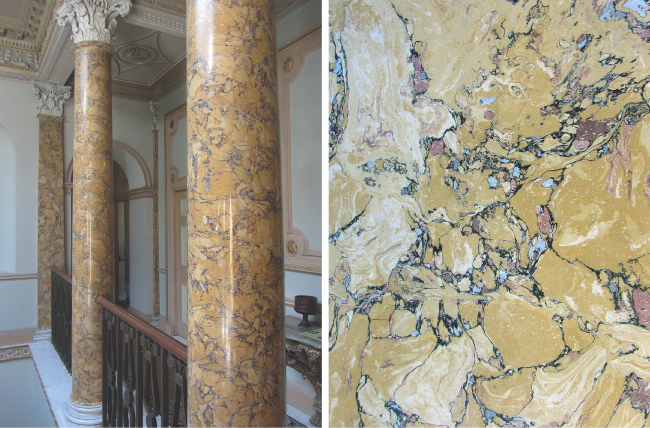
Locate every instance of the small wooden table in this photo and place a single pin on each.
(304, 354)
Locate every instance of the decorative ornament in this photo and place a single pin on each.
(137, 54)
(287, 64)
(292, 248)
(51, 97)
(92, 20)
(154, 106)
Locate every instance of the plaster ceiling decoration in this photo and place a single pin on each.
(23, 25)
(143, 56)
(149, 45)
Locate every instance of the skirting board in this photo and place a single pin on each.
(301, 396)
(18, 336)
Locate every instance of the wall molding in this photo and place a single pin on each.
(290, 60)
(18, 336)
(18, 277)
(137, 193)
(15, 353)
(173, 297)
(162, 270)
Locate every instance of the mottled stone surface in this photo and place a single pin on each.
(236, 372)
(489, 213)
(51, 240)
(92, 216)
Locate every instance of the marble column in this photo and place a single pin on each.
(154, 106)
(236, 356)
(51, 240)
(93, 26)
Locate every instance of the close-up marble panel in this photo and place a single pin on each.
(235, 317)
(489, 176)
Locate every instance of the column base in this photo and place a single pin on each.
(155, 322)
(84, 415)
(42, 335)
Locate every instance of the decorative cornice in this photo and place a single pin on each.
(158, 20)
(17, 58)
(154, 107)
(15, 77)
(64, 63)
(92, 20)
(164, 5)
(51, 97)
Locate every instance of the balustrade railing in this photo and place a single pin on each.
(144, 372)
(62, 315)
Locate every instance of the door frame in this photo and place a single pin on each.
(177, 290)
(173, 183)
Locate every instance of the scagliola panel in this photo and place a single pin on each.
(489, 213)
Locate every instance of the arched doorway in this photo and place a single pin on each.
(132, 185)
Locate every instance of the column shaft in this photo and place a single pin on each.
(51, 241)
(156, 243)
(92, 242)
(236, 293)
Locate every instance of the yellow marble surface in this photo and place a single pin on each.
(236, 371)
(92, 215)
(51, 241)
(489, 213)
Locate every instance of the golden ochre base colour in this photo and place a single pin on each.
(489, 213)
(92, 240)
(236, 297)
(51, 242)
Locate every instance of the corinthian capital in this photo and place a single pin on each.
(51, 98)
(92, 20)
(153, 106)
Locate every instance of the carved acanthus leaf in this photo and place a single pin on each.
(92, 20)
(154, 106)
(51, 98)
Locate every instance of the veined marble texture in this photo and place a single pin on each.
(92, 216)
(236, 371)
(51, 241)
(489, 213)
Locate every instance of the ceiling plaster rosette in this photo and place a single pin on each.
(137, 54)
(92, 20)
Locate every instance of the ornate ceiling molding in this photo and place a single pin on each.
(63, 63)
(51, 97)
(157, 20)
(26, 33)
(50, 57)
(92, 20)
(20, 59)
(164, 5)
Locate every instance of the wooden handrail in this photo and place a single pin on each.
(163, 339)
(62, 274)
